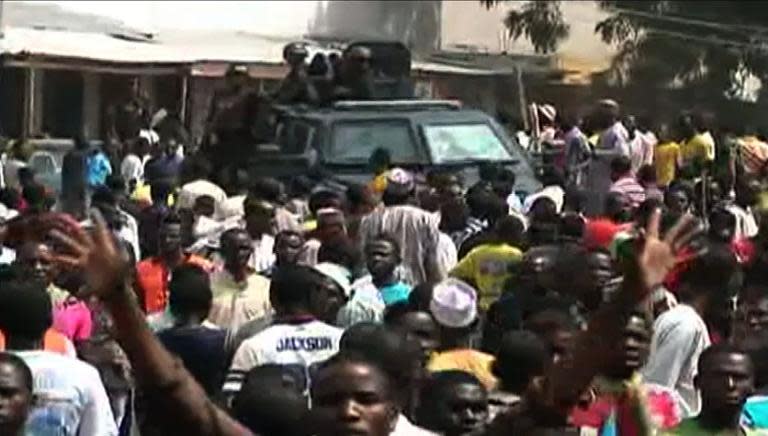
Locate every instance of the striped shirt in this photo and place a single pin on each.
(630, 189)
(754, 154)
(416, 231)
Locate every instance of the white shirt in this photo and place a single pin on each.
(679, 337)
(130, 232)
(300, 345)
(7, 256)
(132, 168)
(447, 255)
(189, 193)
(403, 427)
(71, 399)
(554, 193)
(746, 225)
(233, 207)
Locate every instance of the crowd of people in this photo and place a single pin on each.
(628, 296)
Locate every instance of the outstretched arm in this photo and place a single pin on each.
(179, 398)
(655, 257)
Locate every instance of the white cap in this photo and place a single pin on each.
(454, 303)
(340, 275)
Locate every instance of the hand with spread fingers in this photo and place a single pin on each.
(656, 255)
(95, 254)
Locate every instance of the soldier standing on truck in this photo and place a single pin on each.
(354, 81)
(230, 119)
(296, 87)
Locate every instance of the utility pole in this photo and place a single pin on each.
(2, 6)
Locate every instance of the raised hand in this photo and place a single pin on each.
(95, 254)
(656, 256)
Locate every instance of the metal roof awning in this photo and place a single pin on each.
(206, 53)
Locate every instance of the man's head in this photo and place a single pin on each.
(453, 403)
(632, 352)
(678, 198)
(290, 290)
(271, 402)
(646, 176)
(331, 224)
(722, 226)
(25, 313)
(453, 216)
(747, 189)
(725, 379)
(190, 294)
(302, 290)
(753, 300)
(454, 307)
(236, 249)
(620, 167)
(295, 53)
(16, 396)
(259, 216)
(357, 59)
(556, 328)
(288, 245)
(342, 251)
(509, 230)
(331, 290)
(400, 189)
(32, 260)
(353, 396)
(712, 280)
(169, 236)
(522, 355)
(382, 255)
(397, 354)
(415, 324)
(323, 198)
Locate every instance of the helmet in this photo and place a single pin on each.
(295, 49)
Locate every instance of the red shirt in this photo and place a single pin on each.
(599, 232)
(153, 276)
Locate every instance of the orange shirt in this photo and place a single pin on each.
(153, 276)
(52, 341)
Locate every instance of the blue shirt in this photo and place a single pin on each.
(98, 169)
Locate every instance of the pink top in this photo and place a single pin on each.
(72, 318)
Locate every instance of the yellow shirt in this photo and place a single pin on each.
(474, 362)
(142, 194)
(701, 146)
(666, 158)
(488, 266)
(379, 183)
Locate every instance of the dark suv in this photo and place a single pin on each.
(420, 135)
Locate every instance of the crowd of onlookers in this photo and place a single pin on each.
(627, 296)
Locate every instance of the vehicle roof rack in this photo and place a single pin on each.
(397, 104)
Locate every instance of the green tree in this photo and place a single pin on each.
(541, 22)
(705, 46)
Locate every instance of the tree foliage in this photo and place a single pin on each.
(706, 46)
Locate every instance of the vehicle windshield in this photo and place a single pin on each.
(464, 142)
(354, 142)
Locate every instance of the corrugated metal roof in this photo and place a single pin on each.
(115, 49)
(184, 47)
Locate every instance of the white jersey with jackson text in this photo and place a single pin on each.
(295, 345)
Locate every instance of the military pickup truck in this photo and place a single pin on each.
(337, 141)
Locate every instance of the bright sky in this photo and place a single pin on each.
(263, 17)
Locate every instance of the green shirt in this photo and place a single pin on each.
(691, 427)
